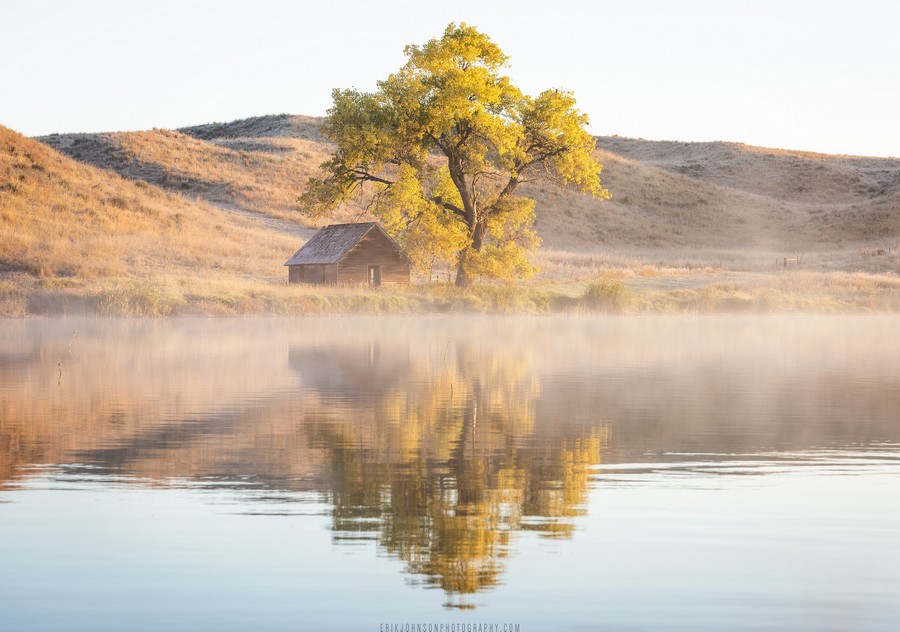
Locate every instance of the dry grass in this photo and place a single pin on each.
(62, 219)
(691, 226)
(265, 179)
(695, 293)
(608, 296)
(700, 198)
(779, 199)
(12, 300)
(790, 291)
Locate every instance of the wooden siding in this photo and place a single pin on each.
(313, 273)
(374, 250)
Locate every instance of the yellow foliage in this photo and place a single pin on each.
(444, 144)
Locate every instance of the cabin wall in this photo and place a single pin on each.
(313, 273)
(374, 250)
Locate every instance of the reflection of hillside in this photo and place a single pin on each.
(728, 409)
(353, 373)
(152, 398)
(440, 439)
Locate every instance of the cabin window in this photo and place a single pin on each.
(374, 275)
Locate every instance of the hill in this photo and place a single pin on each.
(200, 221)
(671, 200)
(836, 199)
(270, 126)
(72, 232)
(261, 176)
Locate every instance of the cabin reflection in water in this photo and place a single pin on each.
(437, 459)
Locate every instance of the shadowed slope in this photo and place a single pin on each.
(262, 177)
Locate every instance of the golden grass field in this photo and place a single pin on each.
(200, 221)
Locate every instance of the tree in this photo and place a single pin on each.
(440, 151)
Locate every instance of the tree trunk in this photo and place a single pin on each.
(462, 275)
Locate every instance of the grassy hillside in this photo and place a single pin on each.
(72, 230)
(261, 177)
(200, 221)
(696, 202)
(831, 200)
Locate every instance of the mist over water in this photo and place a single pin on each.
(662, 471)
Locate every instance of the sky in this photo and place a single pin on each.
(818, 76)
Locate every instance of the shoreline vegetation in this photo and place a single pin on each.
(647, 290)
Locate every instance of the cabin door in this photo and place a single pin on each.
(375, 275)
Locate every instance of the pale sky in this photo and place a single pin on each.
(811, 75)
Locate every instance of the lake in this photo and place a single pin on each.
(445, 473)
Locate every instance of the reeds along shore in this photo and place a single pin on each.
(616, 293)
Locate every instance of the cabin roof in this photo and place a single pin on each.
(333, 242)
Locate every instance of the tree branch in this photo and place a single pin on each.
(541, 158)
(434, 139)
(363, 175)
(463, 137)
(449, 207)
(509, 188)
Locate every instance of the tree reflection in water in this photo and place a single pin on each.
(439, 460)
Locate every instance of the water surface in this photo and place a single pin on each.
(347, 473)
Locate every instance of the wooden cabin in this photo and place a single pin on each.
(350, 253)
